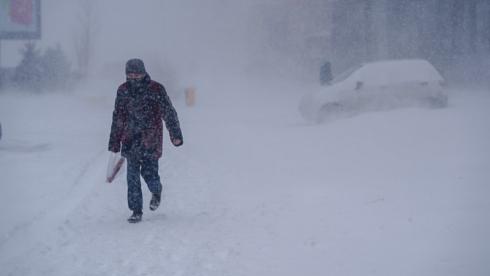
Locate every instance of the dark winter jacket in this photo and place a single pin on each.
(137, 120)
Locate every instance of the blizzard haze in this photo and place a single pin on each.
(189, 36)
(255, 189)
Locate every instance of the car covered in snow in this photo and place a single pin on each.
(375, 86)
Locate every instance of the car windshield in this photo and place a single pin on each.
(345, 74)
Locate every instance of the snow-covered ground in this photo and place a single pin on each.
(254, 190)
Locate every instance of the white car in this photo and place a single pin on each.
(375, 86)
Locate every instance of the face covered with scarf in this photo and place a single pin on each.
(135, 72)
(135, 80)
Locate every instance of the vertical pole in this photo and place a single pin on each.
(0, 53)
(1, 75)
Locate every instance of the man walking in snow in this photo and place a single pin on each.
(137, 131)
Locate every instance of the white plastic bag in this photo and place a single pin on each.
(114, 166)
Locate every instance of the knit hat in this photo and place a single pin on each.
(136, 66)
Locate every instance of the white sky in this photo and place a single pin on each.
(179, 31)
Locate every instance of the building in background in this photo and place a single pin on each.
(451, 34)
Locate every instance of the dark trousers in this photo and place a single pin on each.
(148, 169)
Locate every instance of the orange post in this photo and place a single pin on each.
(190, 96)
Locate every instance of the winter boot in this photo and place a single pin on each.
(135, 217)
(155, 201)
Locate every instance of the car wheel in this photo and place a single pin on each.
(328, 111)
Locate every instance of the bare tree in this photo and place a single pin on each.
(84, 36)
